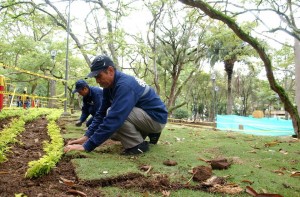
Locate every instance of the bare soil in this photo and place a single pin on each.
(29, 148)
(4, 123)
(62, 180)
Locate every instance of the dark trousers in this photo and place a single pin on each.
(89, 122)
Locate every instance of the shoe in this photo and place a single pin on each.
(154, 137)
(295, 136)
(139, 149)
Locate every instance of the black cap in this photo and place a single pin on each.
(79, 85)
(100, 62)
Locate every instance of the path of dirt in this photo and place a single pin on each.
(12, 172)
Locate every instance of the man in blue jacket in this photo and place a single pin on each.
(130, 112)
(92, 99)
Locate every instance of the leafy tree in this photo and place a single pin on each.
(284, 69)
(247, 85)
(287, 12)
(213, 13)
(176, 56)
(156, 10)
(225, 46)
(198, 95)
(30, 49)
(181, 113)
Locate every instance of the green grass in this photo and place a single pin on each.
(188, 146)
(73, 132)
(103, 167)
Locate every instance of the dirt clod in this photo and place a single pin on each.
(201, 173)
(219, 164)
(170, 163)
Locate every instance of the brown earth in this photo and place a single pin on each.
(4, 123)
(62, 180)
(29, 148)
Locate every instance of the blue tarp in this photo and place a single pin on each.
(255, 126)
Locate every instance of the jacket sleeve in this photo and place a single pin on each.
(123, 103)
(97, 99)
(84, 112)
(101, 112)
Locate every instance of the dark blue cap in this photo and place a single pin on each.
(79, 85)
(100, 63)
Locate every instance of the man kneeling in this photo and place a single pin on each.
(130, 111)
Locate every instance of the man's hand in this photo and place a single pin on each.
(78, 123)
(69, 148)
(78, 141)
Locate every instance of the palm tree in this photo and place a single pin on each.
(229, 49)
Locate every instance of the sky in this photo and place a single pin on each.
(137, 21)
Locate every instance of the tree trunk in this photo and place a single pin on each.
(171, 100)
(52, 93)
(297, 71)
(229, 64)
(153, 49)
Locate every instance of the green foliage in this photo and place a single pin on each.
(20, 195)
(53, 150)
(9, 134)
(180, 114)
(10, 113)
(198, 96)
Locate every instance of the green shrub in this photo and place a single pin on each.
(180, 114)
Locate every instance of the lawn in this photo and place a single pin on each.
(267, 164)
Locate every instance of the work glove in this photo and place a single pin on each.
(78, 123)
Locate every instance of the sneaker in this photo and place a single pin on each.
(139, 149)
(153, 137)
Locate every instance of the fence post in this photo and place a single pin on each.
(32, 102)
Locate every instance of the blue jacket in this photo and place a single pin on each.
(91, 103)
(127, 92)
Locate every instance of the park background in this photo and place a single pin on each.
(198, 65)
(203, 59)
